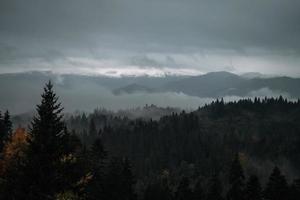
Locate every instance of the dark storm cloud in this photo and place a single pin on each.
(204, 35)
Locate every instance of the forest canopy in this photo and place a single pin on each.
(243, 150)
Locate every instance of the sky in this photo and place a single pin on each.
(150, 37)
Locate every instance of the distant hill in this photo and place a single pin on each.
(215, 84)
(220, 84)
(20, 92)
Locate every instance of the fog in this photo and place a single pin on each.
(89, 97)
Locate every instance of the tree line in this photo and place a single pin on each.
(182, 156)
(49, 162)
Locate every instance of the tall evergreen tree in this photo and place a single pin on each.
(236, 180)
(157, 191)
(92, 129)
(95, 188)
(7, 124)
(46, 149)
(160, 189)
(294, 191)
(128, 181)
(2, 132)
(5, 129)
(183, 190)
(277, 186)
(253, 189)
(119, 183)
(198, 192)
(215, 190)
(113, 180)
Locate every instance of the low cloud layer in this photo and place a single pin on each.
(136, 37)
(95, 96)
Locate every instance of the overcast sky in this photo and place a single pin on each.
(155, 37)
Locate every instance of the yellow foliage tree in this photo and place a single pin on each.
(14, 149)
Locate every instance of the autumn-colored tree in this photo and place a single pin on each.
(14, 150)
(13, 159)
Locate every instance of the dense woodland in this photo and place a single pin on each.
(244, 150)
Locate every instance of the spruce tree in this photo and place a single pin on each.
(157, 191)
(128, 181)
(113, 180)
(160, 189)
(198, 193)
(92, 131)
(119, 182)
(46, 149)
(2, 132)
(253, 189)
(215, 190)
(7, 124)
(95, 188)
(277, 187)
(236, 181)
(183, 190)
(5, 129)
(294, 191)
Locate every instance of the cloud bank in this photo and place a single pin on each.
(136, 37)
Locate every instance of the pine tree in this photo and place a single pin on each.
(160, 189)
(5, 129)
(128, 181)
(198, 193)
(294, 192)
(92, 131)
(215, 190)
(97, 156)
(112, 180)
(46, 150)
(98, 152)
(119, 180)
(236, 180)
(7, 124)
(183, 190)
(253, 189)
(2, 132)
(277, 187)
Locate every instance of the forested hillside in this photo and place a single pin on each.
(244, 150)
(264, 131)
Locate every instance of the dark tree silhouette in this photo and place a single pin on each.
(294, 192)
(159, 189)
(277, 187)
(46, 151)
(236, 180)
(253, 189)
(215, 190)
(128, 181)
(198, 192)
(92, 130)
(7, 124)
(119, 180)
(95, 188)
(5, 128)
(183, 190)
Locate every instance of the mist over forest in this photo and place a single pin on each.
(85, 93)
(149, 100)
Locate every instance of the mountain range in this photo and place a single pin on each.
(21, 91)
(220, 84)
